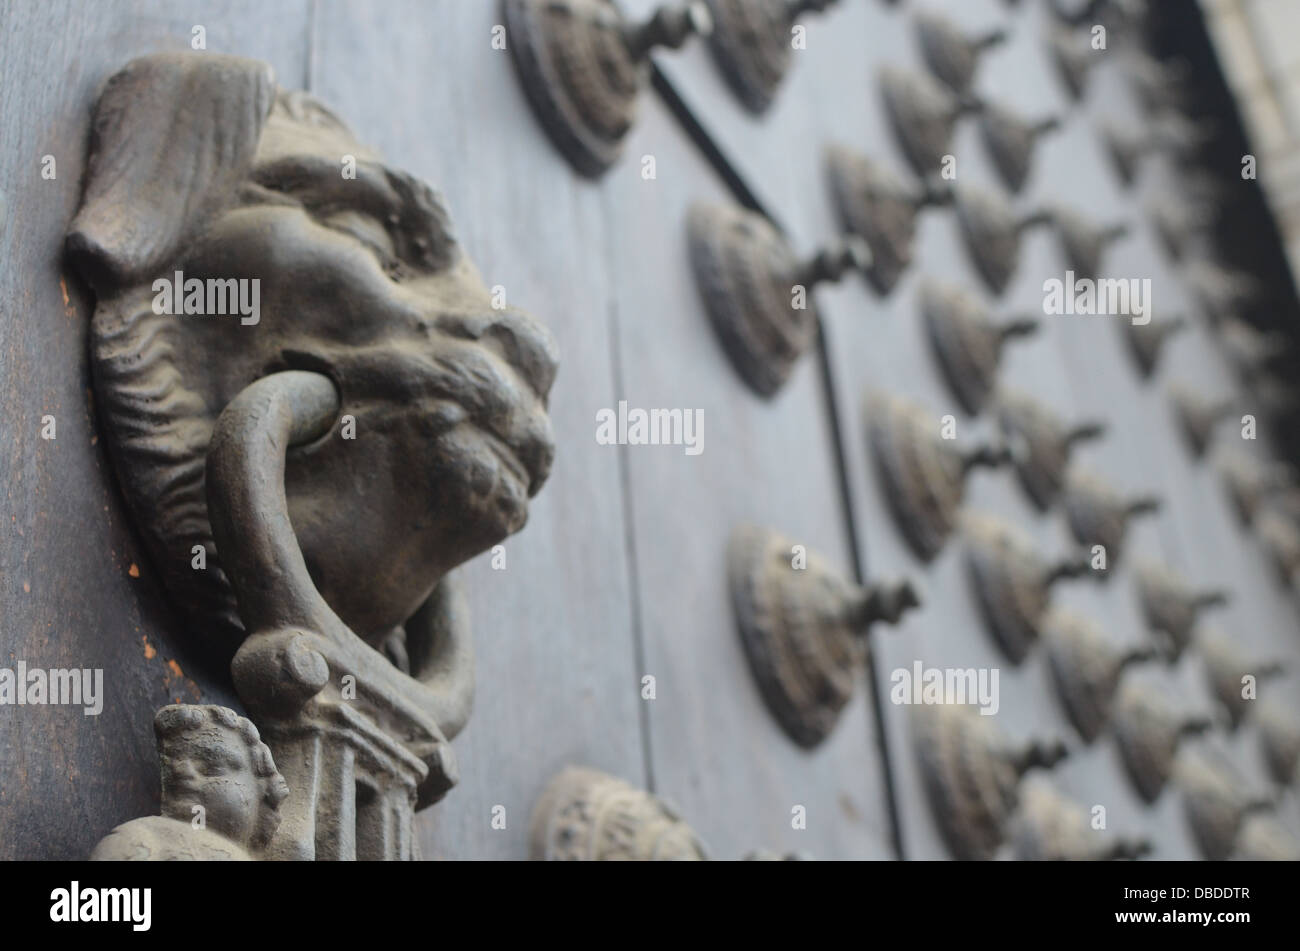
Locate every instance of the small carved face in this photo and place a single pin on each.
(201, 172)
(219, 778)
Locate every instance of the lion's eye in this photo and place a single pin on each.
(366, 230)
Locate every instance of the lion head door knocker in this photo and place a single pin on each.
(804, 628)
(212, 759)
(1086, 668)
(966, 341)
(1050, 827)
(1148, 728)
(757, 292)
(971, 772)
(329, 402)
(1171, 606)
(1233, 675)
(1279, 738)
(1198, 415)
(1251, 484)
(1098, 514)
(1216, 801)
(751, 44)
(1147, 341)
(923, 474)
(583, 66)
(951, 54)
(1040, 444)
(1013, 584)
(586, 815)
(923, 115)
(1169, 134)
(1263, 838)
(878, 206)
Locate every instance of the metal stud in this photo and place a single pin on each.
(1277, 526)
(966, 341)
(1040, 444)
(1051, 827)
(1012, 582)
(1148, 728)
(971, 773)
(1251, 352)
(881, 208)
(922, 474)
(1279, 737)
(747, 276)
(1215, 801)
(1227, 666)
(951, 54)
(583, 66)
(1086, 667)
(1198, 415)
(1099, 515)
(751, 44)
(923, 114)
(1083, 240)
(1170, 134)
(1263, 838)
(804, 628)
(991, 231)
(1221, 292)
(1252, 483)
(1171, 606)
(1010, 139)
(1146, 340)
(586, 815)
(1073, 57)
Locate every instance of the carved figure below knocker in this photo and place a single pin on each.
(332, 460)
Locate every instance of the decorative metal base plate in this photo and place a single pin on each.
(1171, 606)
(1010, 139)
(1098, 515)
(1148, 728)
(922, 473)
(1040, 444)
(751, 44)
(586, 815)
(966, 341)
(923, 114)
(1086, 667)
(746, 274)
(1146, 341)
(1012, 583)
(971, 772)
(1050, 827)
(878, 206)
(950, 54)
(803, 629)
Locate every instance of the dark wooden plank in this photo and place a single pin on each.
(75, 587)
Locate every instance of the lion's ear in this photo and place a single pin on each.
(173, 136)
